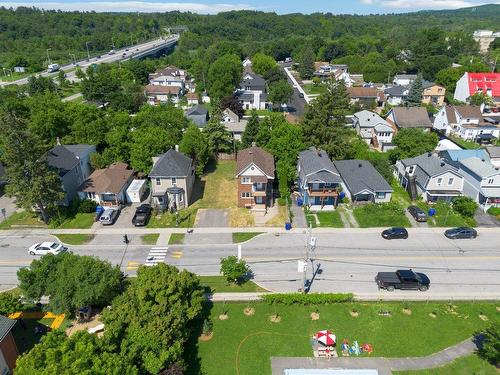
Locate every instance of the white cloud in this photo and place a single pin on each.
(427, 4)
(130, 6)
(367, 2)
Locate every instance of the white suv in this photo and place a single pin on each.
(46, 248)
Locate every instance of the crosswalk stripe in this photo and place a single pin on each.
(160, 248)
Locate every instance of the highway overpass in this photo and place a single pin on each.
(134, 52)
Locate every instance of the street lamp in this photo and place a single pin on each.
(48, 57)
(88, 53)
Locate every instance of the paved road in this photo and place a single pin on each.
(348, 261)
(117, 56)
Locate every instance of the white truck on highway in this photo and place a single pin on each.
(53, 68)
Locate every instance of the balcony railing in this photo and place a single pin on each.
(323, 192)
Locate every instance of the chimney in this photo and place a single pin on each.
(177, 148)
(442, 164)
(58, 141)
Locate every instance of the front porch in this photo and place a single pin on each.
(443, 196)
(173, 198)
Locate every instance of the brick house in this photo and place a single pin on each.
(255, 174)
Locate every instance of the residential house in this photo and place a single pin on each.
(361, 182)
(198, 115)
(460, 154)
(172, 180)
(72, 164)
(158, 94)
(472, 83)
(318, 181)
(430, 176)
(192, 98)
(433, 93)
(357, 79)
(247, 62)
(337, 71)
(404, 79)
(396, 95)
(494, 154)
(466, 122)
(252, 92)
(484, 38)
(374, 130)
(169, 76)
(233, 123)
(255, 174)
(481, 181)
(368, 97)
(108, 186)
(8, 347)
(409, 117)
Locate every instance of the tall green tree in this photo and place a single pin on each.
(490, 346)
(194, 144)
(415, 95)
(150, 323)
(71, 281)
(262, 63)
(305, 60)
(412, 142)
(480, 98)
(219, 139)
(40, 85)
(324, 122)
(31, 180)
(280, 92)
(251, 130)
(224, 75)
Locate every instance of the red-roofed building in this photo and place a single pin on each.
(472, 83)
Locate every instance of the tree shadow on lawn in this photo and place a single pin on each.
(198, 190)
(191, 357)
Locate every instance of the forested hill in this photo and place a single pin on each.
(27, 33)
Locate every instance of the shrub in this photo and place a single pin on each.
(87, 206)
(490, 347)
(9, 303)
(233, 269)
(307, 299)
(465, 206)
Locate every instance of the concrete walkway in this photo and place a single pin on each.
(348, 218)
(484, 219)
(385, 366)
(299, 217)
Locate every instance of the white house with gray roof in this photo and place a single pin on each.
(374, 130)
(430, 176)
(361, 182)
(318, 180)
(252, 92)
(172, 179)
(494, 154)
(482, 181)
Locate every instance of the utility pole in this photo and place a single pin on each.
(309, 248)
(48, 57)
(74, 58)
(88, 52)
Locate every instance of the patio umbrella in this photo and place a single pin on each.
(326, 337)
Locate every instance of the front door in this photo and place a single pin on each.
(259, 200)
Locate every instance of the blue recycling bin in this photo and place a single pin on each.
(300, 201)
(342, 195)
(98, 212)
(432, 211)
(288, 226)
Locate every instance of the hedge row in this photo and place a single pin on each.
(307, 299)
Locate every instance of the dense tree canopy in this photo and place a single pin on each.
(412, 142)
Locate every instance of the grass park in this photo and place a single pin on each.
(244, 344)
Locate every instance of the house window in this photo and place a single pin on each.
(380, 195)
(158, 182)
(160, 199)
(245, 180)
(450, 181)
(490, 181)
(174, 180)
(245, 194)
(440, 180)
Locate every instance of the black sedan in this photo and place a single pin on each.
(460, 233)
(418, 214)
(394, 233)
(141, 216)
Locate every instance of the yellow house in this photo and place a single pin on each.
(433, 93)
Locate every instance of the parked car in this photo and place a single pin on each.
(142, 214)
(417, 213)
(460, 232)
(108, 217)
(396, 232)
(46, 248)
(402, 279)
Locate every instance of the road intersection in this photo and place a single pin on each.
(344, 260)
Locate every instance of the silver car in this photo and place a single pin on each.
(108, 217)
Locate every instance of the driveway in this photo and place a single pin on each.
(484, 219)
(7, 204)
(299, 217)
(211, 218)
(414, 223)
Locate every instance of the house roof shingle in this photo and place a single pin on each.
(362, 92)
(368, 119)
(493, 151)
(469, 111)
(480, 167)
(172, 164)
(316, 165)
(411, 117)
(359, 175)
(162, 90)
(428, 165)
(397, 91)
(6, 325)
(258, 156)
(111, 179)
(62, 159)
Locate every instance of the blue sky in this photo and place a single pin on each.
(279, 6)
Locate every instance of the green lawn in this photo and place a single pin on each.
(312, 89)
(381, 215)
(150, 239)
(75, 239)
(468, 365)
(399, 195)
(168, 220)
(219, 284)
(469, 145)
(495, 211)
(260, 112)
(176, 238)
(445, 216)
(330, 219)
(79, 221)
(244, 236)
(244, 344)
(24, 218)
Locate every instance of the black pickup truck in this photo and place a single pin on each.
(402, 279)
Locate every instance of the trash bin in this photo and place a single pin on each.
(300, 201)
(288, 226)
(432, 211)
(342, 195)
